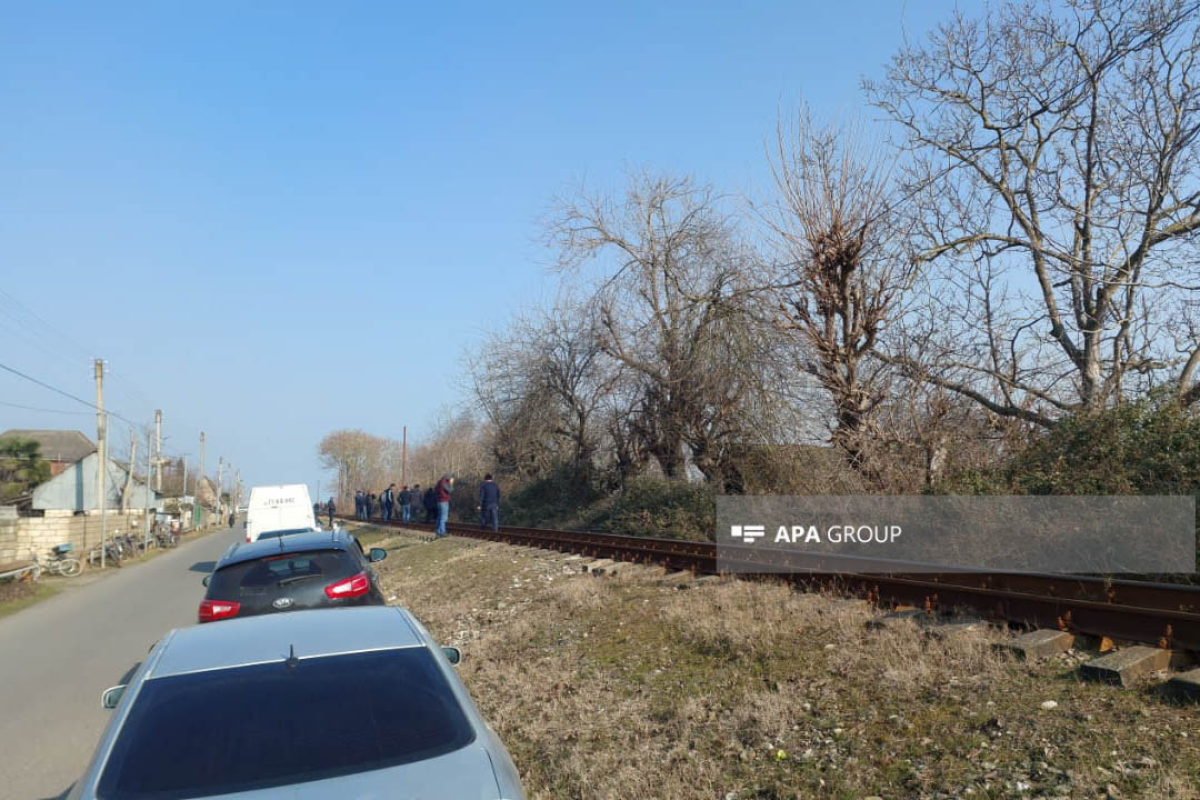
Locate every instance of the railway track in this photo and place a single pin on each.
(1162, 615)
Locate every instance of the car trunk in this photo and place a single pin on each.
(283, 583)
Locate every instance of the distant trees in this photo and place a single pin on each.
(360, 460)
(21, 468)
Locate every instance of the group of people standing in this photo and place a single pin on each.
(405, 504)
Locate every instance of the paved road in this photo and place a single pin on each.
(58, 656)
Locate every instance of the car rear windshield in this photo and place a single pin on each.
(235, 730)
(264, 575)
(283, 532)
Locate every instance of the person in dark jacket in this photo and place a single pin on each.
(331, 508)
(489, 503)
(404, 498)
(388, 501)
(357, 505)
(442, 492)
(430, 504)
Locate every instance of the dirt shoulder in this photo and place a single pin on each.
(631, 687)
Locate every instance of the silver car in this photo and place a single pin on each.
(347, 703)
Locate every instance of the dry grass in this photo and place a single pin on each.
(630, 688)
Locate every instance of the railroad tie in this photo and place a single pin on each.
(1127, 667)
(1041, 643)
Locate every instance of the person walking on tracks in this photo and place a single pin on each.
(387, 501)
(405, 500)
(416, 500)
(429, 502)
(331, 508)
(489, 503)
(442, 492)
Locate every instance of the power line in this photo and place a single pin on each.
(46, 410)
(45, 385)
(19, 309)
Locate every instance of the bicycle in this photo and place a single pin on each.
(112, 553)
(60, 562)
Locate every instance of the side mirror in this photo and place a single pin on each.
(377, 554)
(206, 579)
(112, 696)
(453, 654)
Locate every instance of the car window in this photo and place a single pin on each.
(271, 572)
(234, 730)
(283, 532)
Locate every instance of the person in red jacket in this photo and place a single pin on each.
(441, 493)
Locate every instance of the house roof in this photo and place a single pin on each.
(65, 446)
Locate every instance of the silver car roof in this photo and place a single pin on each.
(272, 637)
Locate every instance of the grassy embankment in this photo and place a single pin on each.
(629, 687)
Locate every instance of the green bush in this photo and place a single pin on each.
(1148, 447)
(1151, 447)
(562, 498)
(661, 508)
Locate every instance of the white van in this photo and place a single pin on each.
(279, 510)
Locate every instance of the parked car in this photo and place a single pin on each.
(314, 569)
(353, 703)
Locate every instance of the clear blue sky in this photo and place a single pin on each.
(277, 219)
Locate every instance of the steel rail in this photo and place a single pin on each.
(1165, 615)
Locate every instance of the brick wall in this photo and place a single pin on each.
(21, 535)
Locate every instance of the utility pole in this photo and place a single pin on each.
(157, 451)
(237, 489)
(146, 494)
(128, 488)
(404, 458)
(220, 475)
(199, 485)
(101, 456)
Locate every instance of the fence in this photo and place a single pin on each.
(21, 536)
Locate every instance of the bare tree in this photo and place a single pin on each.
(540, 383)
(841, 272)
(455, 444)
(667, 301)
(360, 460)
(1053, 160)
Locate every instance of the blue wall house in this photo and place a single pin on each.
(74, 489)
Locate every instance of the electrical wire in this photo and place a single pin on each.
(45, 410)
(68, 395)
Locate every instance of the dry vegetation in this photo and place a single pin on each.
(630, 687)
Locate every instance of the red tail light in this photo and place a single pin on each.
(354, 586)
(211, 610)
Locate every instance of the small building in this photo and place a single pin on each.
(74, 488)
(60, 448)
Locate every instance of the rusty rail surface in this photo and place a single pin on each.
(1165, 615)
